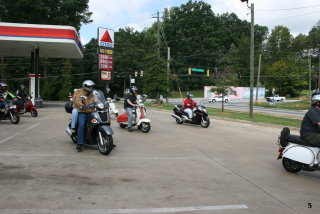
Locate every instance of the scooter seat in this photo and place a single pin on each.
(297, 140)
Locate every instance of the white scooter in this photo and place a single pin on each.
(112, 106)
(297, 154)
(140, 117)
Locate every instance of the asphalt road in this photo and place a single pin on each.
(227, 168)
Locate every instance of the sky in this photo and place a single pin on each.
(297, 15)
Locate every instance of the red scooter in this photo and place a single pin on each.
(28, 107)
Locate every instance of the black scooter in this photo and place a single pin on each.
(200, 118)
(9, 112)
(98, 130)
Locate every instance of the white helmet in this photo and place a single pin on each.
(315, 97)
(88, 85)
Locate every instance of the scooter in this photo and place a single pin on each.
(200, 116)
(139, 117)
(296, 153)
(98, 130)
(9, 112)
(28, 107)
(112, 106)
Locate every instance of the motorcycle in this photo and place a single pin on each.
(139, 117)
(200, 116)
(9, 112)
(112, 106)
(98, 130)
(28, 107)
(297, 154)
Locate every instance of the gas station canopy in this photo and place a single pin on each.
(53, 41)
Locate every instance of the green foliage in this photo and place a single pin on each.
(286, 77)
(155, 80)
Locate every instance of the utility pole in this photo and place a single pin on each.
(158, 42)
(258, 79)
(168, 74)
(319, 75)
(309, 60)
(251, 57)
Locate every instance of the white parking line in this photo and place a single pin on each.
(123, 211)
(8, 138)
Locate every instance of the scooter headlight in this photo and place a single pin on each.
(100, 106)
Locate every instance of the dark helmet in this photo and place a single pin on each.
(133, 89)
(315, 97)
(88, 85)
(189, 95)
(22, 86)
(108, 89)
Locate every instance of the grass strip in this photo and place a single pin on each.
(257, 117)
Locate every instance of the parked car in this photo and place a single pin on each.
(219, 99)
(275, 98)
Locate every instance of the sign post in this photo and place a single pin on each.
(105, 50)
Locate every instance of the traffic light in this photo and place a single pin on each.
(208, 72)
(136, 73)
(141, 73)
(189, 71)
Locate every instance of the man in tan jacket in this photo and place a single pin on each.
(83, 100)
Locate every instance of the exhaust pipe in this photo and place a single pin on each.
(177, 117)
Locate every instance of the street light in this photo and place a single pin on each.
(251, 58)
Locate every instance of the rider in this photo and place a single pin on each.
(6, 95)
(310, 126)
(107, 93)
(22, 96)
(188, 105)
(83, 100)
(2, 98)
(129, 102)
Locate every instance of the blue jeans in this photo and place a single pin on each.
(130, 117)
(82, 126)
(74, 118)
(2, 104)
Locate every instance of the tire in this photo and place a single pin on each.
(14, 117)
(284, 137)
(291, 165)
(205, 122)
(122, 125)
(179, 121)
(145, 127)
(281, 100)
(106, 146)
(226, 101)
(34, 113)
(213, 101)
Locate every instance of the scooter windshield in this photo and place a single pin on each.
(100, 100)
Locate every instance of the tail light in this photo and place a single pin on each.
(280, 153)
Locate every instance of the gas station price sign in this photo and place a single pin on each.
(105, 51)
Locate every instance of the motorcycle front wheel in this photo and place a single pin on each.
(105, 142)
(14, 117)
(205, 122)
(291, 165)
(145, 127)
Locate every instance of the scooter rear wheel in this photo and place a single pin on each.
(106, 145)
(34, 113)
(291, 165)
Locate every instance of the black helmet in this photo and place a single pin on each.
(133, 89)
(315, 97)
(88, 85)
(108, 89)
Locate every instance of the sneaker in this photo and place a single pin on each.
(130, 129)
(73, 131)
(79, 147)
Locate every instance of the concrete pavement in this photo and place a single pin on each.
(227, 168)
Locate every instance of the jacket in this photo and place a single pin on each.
(189, 101)
(78, 102)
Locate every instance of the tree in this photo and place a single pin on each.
(279, 43)
(155, 76)
(314, 38)
(288, 78)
